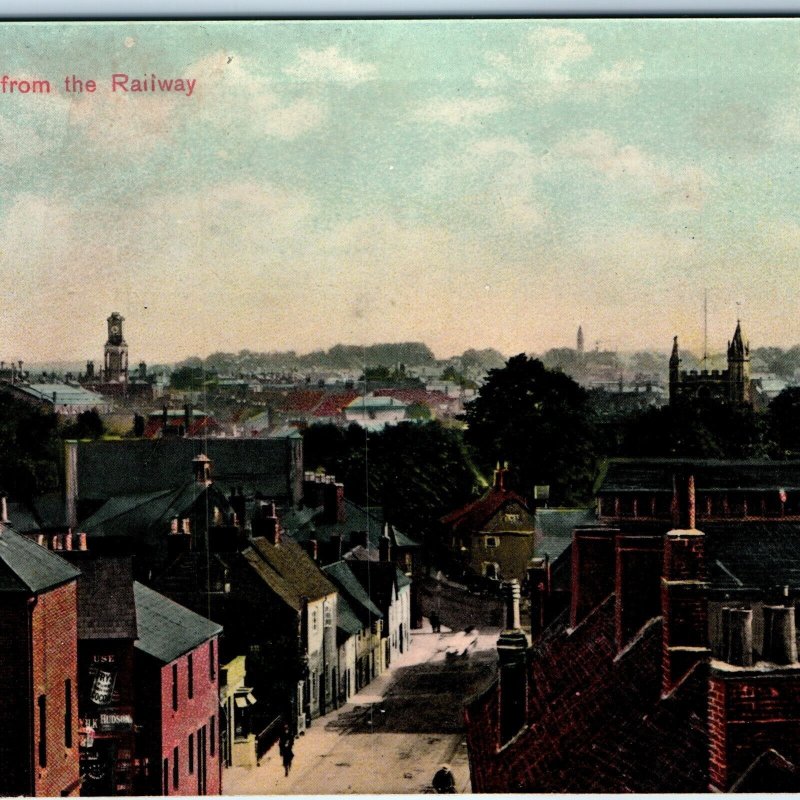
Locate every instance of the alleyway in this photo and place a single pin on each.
(393, 735)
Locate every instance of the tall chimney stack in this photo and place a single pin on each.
(512, 648)
(780, 642)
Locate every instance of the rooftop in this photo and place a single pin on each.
(28, 568)
(168, 630)
(62, 394)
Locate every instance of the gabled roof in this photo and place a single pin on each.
(106, 604)
(347, 622)
(656, 475)
(474, 515)
(357, 519)
(288, 570)
(350, 588)
(380, 579)
(28, 568)
(62, 394)
(168, 630)
(129, 515)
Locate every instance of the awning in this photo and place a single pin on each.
(244, 700)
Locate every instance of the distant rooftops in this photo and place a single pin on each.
(62, 394)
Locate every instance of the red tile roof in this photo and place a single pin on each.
(473, 516)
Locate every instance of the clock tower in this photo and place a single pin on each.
(116, 351)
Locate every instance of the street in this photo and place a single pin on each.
(392, 736)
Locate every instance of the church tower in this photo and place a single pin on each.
(739, 367)
(580, 340)
(116, 351)
(674, 370)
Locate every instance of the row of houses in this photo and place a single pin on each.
(284, 630)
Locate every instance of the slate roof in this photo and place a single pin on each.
(112, 468)
(29, 568)
(753, 555)
(168, 630)
(554, 528)
(106, 604)
(474, 515)
(347, 623)
(288, 570)
(64, 394)
(356, 519)
(710, 474)
(351, 589)
(131, 515)
(770, 772)
(21, 518)
(379, 579)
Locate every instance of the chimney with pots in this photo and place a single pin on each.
(201, 466)
(753, 708)
(540, 583)
(512, 648)
(311, 546)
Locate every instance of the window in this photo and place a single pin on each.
(212, 660)
(174, 687)
(191, 753)
(491, 542)
(42, 703)
(313, 620)
(67, 713)
(166, 777)
(190, 678)
(176, 772)
(212, 725)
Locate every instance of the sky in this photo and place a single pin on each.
(490, 183)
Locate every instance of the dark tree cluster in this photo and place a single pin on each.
(416, 472)
(540, 422)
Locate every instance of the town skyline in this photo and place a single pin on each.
(466, 184)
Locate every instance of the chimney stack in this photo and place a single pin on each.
(4, 510)
(187, 418)
(780, 642)
(539, 581)
(312, 548)
(512, 648)
(82, 542)
(385, 545)
(201, 466)
(683, 501)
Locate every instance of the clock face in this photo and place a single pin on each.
(115, 329)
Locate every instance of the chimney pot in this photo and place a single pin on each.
(780, 643)
(82, 542)
(737, 636)
(511, 590)
(68, 541)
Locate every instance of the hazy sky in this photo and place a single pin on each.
(467, 184)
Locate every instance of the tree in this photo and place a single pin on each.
(539, 421)
(87, 425)
(29, 449)
(783, 422)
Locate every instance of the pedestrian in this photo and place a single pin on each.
(286, 748)
(435, 623)
(444, 781)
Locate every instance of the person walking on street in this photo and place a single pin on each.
(286, 748)
(444, 781)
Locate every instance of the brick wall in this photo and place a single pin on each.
(639, 560)
(593, 570)
(193, 717)
(749, 714)
(55, 661)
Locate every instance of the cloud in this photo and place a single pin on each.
(329, 66)
(462, 112)
(20, 142)
(684, 188)
(558, 62)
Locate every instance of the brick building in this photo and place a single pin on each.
(177, 687)
(39, 679)
(674, 669)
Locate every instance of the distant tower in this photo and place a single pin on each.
(674, 370)
(116, 351)
(580, 340)
(739, 367)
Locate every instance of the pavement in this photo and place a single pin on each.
(391, 737)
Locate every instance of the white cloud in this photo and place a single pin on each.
(684, 187)
(462, 112)
(329, 66)
(556, 62)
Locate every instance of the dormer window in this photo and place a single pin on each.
(492, 542)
